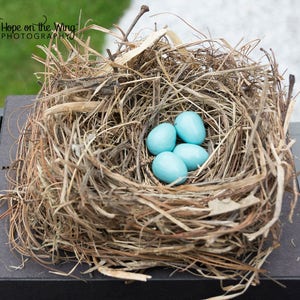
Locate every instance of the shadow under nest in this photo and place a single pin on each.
(82, 182)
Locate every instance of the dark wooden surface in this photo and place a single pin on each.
(32, 281)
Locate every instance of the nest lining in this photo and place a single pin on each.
(82, 187)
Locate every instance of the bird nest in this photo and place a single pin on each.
(83, 187)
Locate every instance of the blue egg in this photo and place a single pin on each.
(168, 167)
(192, 155)
(161, 138)
(190, 128)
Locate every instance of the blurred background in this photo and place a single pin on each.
(274, 22)
(16, 65)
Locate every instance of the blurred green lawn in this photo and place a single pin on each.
(16, 65)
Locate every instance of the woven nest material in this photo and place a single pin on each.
(84, 189)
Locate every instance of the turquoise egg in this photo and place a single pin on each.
(192, 155)
(168, 167)
(190, 128)
(161, 138)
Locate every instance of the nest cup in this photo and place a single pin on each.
(82, 186)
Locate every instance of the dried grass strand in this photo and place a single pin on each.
(82, 187)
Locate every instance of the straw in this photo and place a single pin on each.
(82, 187)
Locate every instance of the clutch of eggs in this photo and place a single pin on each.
(172, 163)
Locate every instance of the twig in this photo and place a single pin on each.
(143, 10)
(292, 81)
(111, 57)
